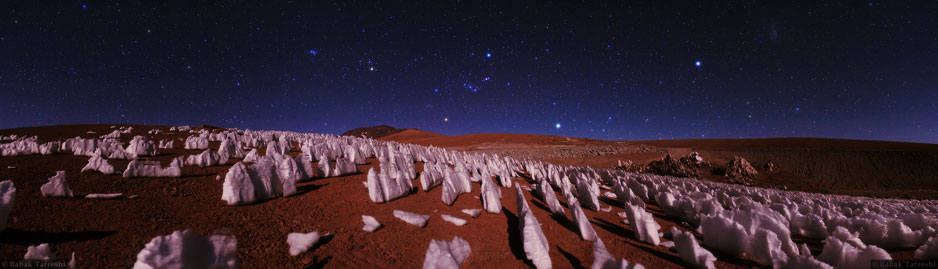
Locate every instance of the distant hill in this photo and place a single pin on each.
(411, 135)
(374, 131)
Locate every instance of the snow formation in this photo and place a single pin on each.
(643, 225)
(929, 250)
(187, 249)
(301, 242)
(56, 187)
(690, 251)
(371, 224)
(141, 146)
(583, 223)
(491, 196)
(138, 168)
(382, 188)
(453, 220)
(443, 254)
(266, 179)
(96, 163)
(603, 260)
(535, 243)
(412, 218)
(103, 195)
(196, 142)
(545, 191)
(42, 252)
(7, 195)
(231, 148)
(207, 158)
(431, 176)
(472, 212)
(343, 167)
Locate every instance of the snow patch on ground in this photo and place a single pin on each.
(371, 224)
(301, 242)
(412, 218)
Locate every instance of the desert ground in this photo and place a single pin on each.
(833, 166)
(108, 233)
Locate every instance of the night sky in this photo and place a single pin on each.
(615, 70)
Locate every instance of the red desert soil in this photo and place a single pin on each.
(109, 233)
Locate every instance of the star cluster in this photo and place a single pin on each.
(598, 69)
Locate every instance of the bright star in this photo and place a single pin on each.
(610, 117)
(557, 125)
(445, 119)
(697, 63)
(488, 55)
(84, 6)
(313, 52)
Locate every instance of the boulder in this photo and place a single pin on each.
(738, 170)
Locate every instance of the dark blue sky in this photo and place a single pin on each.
(608, 70)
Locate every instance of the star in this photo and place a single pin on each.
(488, 55)
(445, 119)
(84, 6)
(697, 63)
(313, 52)
(557, 125)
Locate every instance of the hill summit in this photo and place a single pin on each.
(374, 131)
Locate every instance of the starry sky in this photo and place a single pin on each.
(617, 70)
